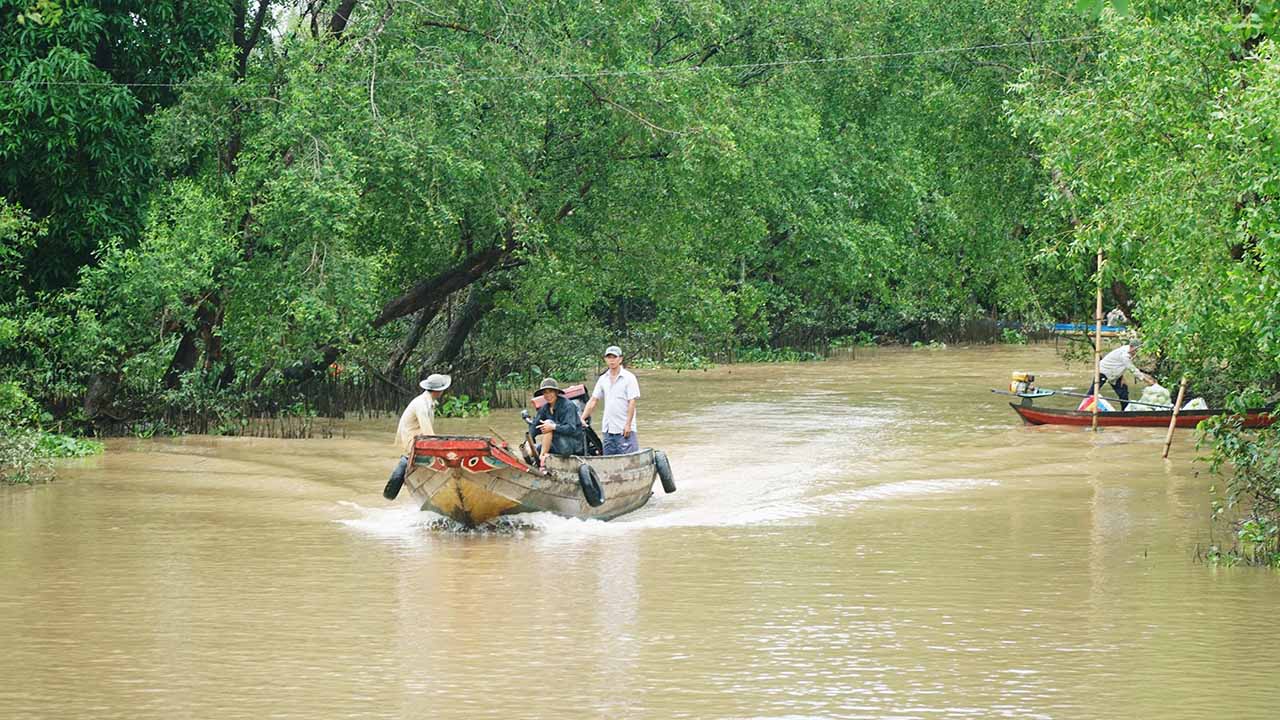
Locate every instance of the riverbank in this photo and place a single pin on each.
(26, 455)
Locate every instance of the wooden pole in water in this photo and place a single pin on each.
(1173, 421)
(1097, 346)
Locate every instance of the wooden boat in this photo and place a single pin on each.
(474, 479)
(1032, 415)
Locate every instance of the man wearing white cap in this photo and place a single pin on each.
(619, 390)
(416, 420)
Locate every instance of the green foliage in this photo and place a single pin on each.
(61, 446)
(1161, 155)
(41, 12)
(18, 237)
(16, 407)
(677, 360)
(1009, 336)
(461, 406)
(1094, 8)
(1250, 495)
(24, 448)
(645, 172)
(861, 338)
(19, 461)
(77, 83)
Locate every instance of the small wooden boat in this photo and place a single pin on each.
(474, 479)
(1032, 415)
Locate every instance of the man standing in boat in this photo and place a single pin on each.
(1115, 363)
(558, 425)
(417, 419)
(619, 389)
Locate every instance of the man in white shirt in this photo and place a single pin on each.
(619, 390)
(1113, 366)
(417, 419)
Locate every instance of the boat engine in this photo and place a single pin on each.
(1022, 382)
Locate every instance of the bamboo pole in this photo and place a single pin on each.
(1097, 346)
(1173, 421)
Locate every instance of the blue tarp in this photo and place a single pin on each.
(1087, 328)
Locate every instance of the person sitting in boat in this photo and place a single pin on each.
(558, 424)
(417, 419)
(1114, 365)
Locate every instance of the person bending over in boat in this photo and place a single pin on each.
(558, 424)
(1114, 365)
(619, 390)
(417, 419)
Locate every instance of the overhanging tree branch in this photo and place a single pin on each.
(341, 18)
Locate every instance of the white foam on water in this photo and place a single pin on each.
(400, 521)
(405, 522)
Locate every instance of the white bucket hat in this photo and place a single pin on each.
(436, 381)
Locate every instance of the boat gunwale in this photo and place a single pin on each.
(503, 477)
(1266, 415)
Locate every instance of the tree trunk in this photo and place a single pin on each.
(184, 360)
(99, 393)
(480, 300)
(208, 318)
(1120, 291)
(434, 290)
(341, 18)
(395, 363)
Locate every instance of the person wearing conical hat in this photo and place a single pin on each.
(558, 424)
(417, 419)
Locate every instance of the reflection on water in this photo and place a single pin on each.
(875, 538)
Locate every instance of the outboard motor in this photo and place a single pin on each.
(1022, 382)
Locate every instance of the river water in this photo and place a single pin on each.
(875, 538)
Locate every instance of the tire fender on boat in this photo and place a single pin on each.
(663, 466)
(592, 490)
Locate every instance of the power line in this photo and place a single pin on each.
(478, 76)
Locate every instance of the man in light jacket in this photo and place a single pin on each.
(1113, 366)
(417, 419)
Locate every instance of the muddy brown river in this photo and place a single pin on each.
(876, 538)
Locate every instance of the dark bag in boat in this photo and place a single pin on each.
(594, 446)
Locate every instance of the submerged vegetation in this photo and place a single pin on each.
(25, 446)
(206, 206)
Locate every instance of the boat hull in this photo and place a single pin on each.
(1138, 418)
(474, 480)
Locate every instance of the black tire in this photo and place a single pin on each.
(592, 490)
(396, 480)
(663, 466)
